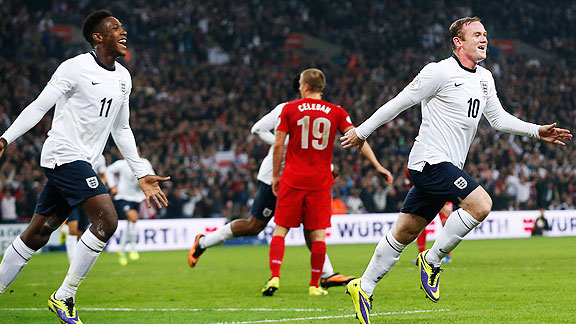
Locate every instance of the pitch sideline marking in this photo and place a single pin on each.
(336, 316)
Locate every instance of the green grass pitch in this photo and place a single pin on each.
(489, 281)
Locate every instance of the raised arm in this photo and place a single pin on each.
(426, 84)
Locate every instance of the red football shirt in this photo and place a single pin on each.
(311, 125)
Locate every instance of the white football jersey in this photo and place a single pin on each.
(453, 100)
(266, 127)
(120, 175)
(91, 102)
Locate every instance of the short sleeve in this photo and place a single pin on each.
(345, 121)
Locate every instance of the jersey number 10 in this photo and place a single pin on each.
(320, 132)
(473, 107)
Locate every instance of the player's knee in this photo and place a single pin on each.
(406, 236)
(485, 205)
(39, 238)
(105, 227)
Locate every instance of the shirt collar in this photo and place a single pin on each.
(462, 66)
(100, 63)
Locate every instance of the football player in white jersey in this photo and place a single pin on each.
(454, 94)
(265, 202)
(127, 198)
(91, 93)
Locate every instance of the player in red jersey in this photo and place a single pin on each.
(303, 190)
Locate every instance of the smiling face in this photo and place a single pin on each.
(474, 42)
(113, 36)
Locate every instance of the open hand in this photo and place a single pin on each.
(151, 188)
(552, 134)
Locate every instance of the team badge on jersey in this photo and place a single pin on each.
(461, 183)
(484, 86)
(267, 212)
(92, 182)
(123, 87)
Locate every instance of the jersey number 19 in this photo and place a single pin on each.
(320, 132)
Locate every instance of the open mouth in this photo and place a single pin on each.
(122, 42)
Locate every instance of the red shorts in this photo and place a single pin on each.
(296, 206)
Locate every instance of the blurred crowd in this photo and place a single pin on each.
(205, 72)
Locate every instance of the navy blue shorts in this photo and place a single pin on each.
(68, 185)
(77, 214)
(434, 186)
(264, 203)
(122, 206)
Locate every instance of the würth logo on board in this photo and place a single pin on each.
(92, 182)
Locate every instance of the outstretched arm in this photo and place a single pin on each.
(30, 116)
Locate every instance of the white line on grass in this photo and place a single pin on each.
(98, 309)
(336, 316)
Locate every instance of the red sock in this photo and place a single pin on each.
(421, 240)
(317, 257)
(276, 255)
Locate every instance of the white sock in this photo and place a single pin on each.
(15, 258)
(87, 252)
(217, 237)
(131, 235)
(385, 256)
(71, 241)
(457, 226)
(327, 269)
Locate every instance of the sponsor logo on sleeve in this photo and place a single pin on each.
(415, 84)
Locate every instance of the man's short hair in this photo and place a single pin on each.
(315, 78)
(456, 28)
(92, 21)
